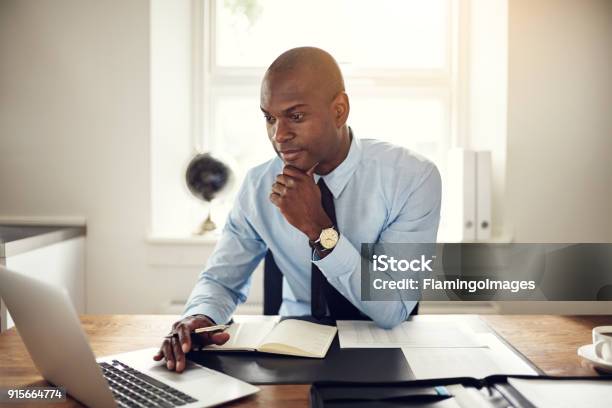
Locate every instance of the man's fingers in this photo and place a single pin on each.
(285, 180)
(167, 350)
(219, 338)
(173, 349)
(159, 355)
(279, 189)
(179, 356)
(184, 335)
(275, 198)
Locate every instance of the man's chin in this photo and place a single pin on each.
(302, 163)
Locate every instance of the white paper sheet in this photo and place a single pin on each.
(365, 334)
(565, 394)
(496, 358)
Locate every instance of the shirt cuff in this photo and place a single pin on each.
(205, 309)
(343, 259)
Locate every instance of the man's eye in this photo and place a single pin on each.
(297, 117)
(269, 118)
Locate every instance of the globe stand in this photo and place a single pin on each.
(207, 225)
(208, 178)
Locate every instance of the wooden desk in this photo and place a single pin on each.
(550, 342)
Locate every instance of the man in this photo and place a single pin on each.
(312, 207)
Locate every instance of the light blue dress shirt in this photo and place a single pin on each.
(382, 193)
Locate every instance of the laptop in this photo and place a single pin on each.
(52, 333)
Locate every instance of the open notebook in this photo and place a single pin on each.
(290, 337)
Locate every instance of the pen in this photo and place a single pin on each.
(218, 327)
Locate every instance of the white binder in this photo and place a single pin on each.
(483, 195)
(467, 195)
(460, 206)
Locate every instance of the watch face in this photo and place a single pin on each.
(329, 238)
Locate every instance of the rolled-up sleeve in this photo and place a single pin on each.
(416, 222)
(225, 281)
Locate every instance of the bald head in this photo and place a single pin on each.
(306, 109)
(312, 65)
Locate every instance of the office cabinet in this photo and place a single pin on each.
(53, 254)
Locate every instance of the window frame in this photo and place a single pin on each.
(452, 79)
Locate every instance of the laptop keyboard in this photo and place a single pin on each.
(133, 388)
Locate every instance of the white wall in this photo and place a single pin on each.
(74, 128)
(559, 160)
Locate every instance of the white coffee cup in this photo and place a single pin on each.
(602, 342)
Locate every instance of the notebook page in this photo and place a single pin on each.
(311, 338)
(246, 335)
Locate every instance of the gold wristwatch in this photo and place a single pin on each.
(328, 238)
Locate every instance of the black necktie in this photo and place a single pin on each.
(323, 294)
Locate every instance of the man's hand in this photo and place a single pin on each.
(173, 349)
(299, 200)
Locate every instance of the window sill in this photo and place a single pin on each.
(189, 252)
(207, 239)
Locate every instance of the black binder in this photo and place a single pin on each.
(495, 391)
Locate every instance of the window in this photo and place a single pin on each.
(428, 75)
(396, 56)
(396, 34)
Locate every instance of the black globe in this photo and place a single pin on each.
(206, 176)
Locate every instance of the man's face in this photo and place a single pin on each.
(299, 119)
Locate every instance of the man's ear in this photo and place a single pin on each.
(341, 108)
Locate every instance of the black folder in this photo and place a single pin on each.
(354, 364)
(497, 392)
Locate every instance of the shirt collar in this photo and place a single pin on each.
(337, 179)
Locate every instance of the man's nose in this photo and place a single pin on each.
(282, 133)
